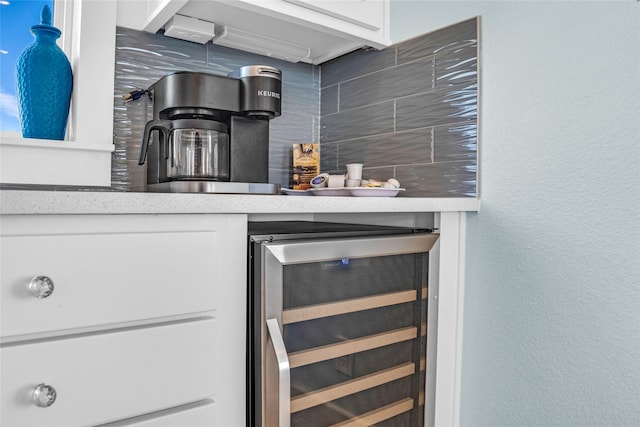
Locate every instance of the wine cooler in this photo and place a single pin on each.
(339, 330)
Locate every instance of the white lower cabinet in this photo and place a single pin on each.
(135, 320)
(108, 376)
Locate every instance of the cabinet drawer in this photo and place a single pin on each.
(108, 270)
(109, 376)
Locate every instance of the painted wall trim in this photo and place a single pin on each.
(450, 318)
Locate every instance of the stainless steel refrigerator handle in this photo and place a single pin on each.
(284, 380)
(318, 250)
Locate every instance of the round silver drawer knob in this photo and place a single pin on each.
(41, 286)
(43, 395)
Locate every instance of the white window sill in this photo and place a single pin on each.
(88, 39)
(49, 162)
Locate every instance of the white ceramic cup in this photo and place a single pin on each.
(354, 171)
(335, 181)
(353, 183)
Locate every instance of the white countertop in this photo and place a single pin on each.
(107, 202)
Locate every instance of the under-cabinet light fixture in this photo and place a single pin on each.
(190, 29)
(255, 43)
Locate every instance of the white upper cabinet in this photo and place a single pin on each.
(365, 13)
(311, 31)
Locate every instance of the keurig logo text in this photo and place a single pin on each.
(269, 94)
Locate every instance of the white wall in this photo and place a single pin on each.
(552, 297)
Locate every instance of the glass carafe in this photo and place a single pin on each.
(196, 153)
(189, 149)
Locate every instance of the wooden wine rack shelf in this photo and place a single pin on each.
(331, 351)
(346, 306)
(337, 391)
(379, 414)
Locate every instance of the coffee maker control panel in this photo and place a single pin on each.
(260, 92)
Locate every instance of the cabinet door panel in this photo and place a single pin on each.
(109, 274)
(110, 376)
(365, 13)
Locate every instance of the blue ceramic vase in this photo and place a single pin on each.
(43, 83)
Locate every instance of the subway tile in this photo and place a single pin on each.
(300, 100)
(280, 176)
(451, 105)
(280, 154)
(129, 120)
(328, 156)
(449, 179)
(127, 80)
(356, 64)
(329, 100)
(381, 174)
(315, 131)
(457, 66)
(456, 142)
(448, 38)
(292, 127)
(301, 74)
(138, 75)
(231, 59)
(164, 55)
(127, 145)
(358, 122)
(389, 149)
(394, 82)
(127, 175)
(159, 51)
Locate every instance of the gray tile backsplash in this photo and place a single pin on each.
(357, 64)
(398, 149)
(457, 66)
(408, 111)
(443, 179)
(390, 83)
(455, 142)
(437, 42)
(371, 119)
(143, 58)
(441, 106)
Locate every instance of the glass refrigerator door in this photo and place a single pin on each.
(346, 331)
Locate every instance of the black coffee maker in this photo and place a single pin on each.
(212, 131)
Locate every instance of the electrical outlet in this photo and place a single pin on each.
(345, 364)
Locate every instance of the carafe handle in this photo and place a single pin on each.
(162, 126)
